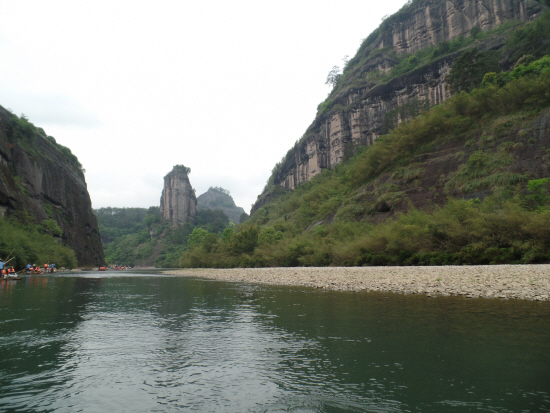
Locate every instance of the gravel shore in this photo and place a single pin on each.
(527, 282)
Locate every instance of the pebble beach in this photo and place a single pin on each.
(526, 282)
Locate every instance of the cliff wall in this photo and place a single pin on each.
(44, 180)
(363, 108)
(434, 21)
(178, 202)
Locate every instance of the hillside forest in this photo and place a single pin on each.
(464, 182)
(140, 237)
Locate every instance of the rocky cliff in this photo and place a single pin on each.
(42, 180)
(367, 100)
(425, 23)
(219, 198)
(178, 202)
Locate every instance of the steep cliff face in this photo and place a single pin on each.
(178, 202)
(434, 21)
(364, 105)
(44, 180)
(219, 198)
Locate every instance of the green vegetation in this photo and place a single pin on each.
(340, 217)
(182, 168)
(522, 39)
(456, 118)
(117, 222)
(138, 236)
(25, 134)
(32, 243)
(470, 68)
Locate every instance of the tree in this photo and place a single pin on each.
(538, 194)
(209, 242)
(182, 168)
(469, 69)
(196, 237)
(269, 235)
(346, 61)
(227, 233)
(213, 220)
(245, 240)
(333, 76)
(51, 227)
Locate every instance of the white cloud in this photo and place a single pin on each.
(49, 109)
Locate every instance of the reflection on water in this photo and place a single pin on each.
(142, 342)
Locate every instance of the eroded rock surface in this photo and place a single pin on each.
(43, 179)
(178, 202)
(335, 135)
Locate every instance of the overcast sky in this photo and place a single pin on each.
(136, 87)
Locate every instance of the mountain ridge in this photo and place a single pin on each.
(361, 107)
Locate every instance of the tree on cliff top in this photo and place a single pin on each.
(220, 190)
(182, 168)
(333, 76)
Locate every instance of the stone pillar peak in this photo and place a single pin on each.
(178, 202)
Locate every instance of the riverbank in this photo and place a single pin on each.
(528, 282)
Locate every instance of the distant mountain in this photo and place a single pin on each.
(219, 198)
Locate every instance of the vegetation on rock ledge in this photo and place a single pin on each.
(363, 211)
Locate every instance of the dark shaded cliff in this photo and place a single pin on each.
(41, 180)
(400, 70)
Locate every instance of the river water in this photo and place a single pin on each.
(151, 343)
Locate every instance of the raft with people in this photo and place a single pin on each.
(46, 269)
(8, 273)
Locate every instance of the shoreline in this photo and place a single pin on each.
(526, 282)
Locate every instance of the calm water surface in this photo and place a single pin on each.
(150, 343)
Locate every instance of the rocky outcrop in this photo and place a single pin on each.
(178, 202)
(434, 21)
(219, 198)
(41, 180)
(362, 109)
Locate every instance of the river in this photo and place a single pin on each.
(138, 342)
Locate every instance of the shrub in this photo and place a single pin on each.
(245, 240)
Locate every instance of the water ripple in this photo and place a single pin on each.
(172, 344)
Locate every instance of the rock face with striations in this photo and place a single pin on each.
(45, 180)
(361, 109)
(178, 202)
